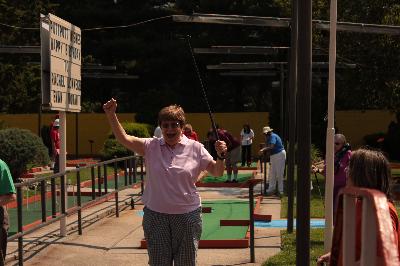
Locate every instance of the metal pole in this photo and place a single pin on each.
(126, 172)
(79, 200)
(93, 182)
(265, 176)
(282, 104)
(43, 199)
(130, 171)
(116, 190)
(134, 169)
(62, 161)
(99, 179)
(53, 198)
(304, 133)
(141, 175)
(330, 130)
(19, 215)
(105, 179)
(40, 121)
(292, 115)
(251, 208)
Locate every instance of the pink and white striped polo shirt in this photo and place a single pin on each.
(171, 174)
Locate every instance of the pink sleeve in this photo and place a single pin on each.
(205, 158)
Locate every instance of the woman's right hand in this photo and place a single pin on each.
(314, 169)
(110, 107)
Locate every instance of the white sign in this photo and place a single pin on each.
(61, 64)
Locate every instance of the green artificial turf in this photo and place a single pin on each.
(222, 179)
(32, 212)
(224, 210)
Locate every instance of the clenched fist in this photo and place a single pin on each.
(110, 107)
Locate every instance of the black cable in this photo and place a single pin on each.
(187, 37)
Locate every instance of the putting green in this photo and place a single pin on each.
(221, 179)
(224, 210)
(33, 212)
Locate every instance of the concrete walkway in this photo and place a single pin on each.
(115, 241)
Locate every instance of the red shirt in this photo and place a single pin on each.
(192, 135)
(55, 137)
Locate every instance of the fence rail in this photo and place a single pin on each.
(130, 165)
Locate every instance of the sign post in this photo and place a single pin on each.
(61, 78)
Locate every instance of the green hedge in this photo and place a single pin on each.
(112, 148)
(20, 148)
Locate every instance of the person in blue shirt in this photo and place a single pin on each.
(277, 158)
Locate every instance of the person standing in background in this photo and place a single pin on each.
(51, 148)
(232, 156)
(277, 158)
(246, 136)
(341, 162)
(189, 132)
(7, 195)
(157, 132)
(55, 144)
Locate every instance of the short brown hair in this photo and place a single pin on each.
(369, 168)
(173, 112)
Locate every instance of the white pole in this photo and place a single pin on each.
(63, 159)
(330, 131)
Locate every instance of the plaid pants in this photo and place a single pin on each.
(172, 239)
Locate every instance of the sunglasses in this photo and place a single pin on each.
(337, 143)
(170, 125)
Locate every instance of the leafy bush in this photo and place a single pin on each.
(112, 148)
(135, 129)
(316, 155)
(20, 148)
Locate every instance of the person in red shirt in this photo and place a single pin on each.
(232, 157)
(189, 132)
(367, 169)
(55, 143)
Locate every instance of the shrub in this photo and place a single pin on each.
(316, 155)
(112, 148)
(20, 148)
(135, 129)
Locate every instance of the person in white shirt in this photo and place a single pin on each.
(157, 132)
(246, 136)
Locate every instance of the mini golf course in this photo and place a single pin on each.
(212, 181)
(225, 224)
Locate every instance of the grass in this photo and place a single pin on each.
(288, 254)
(317, 202)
